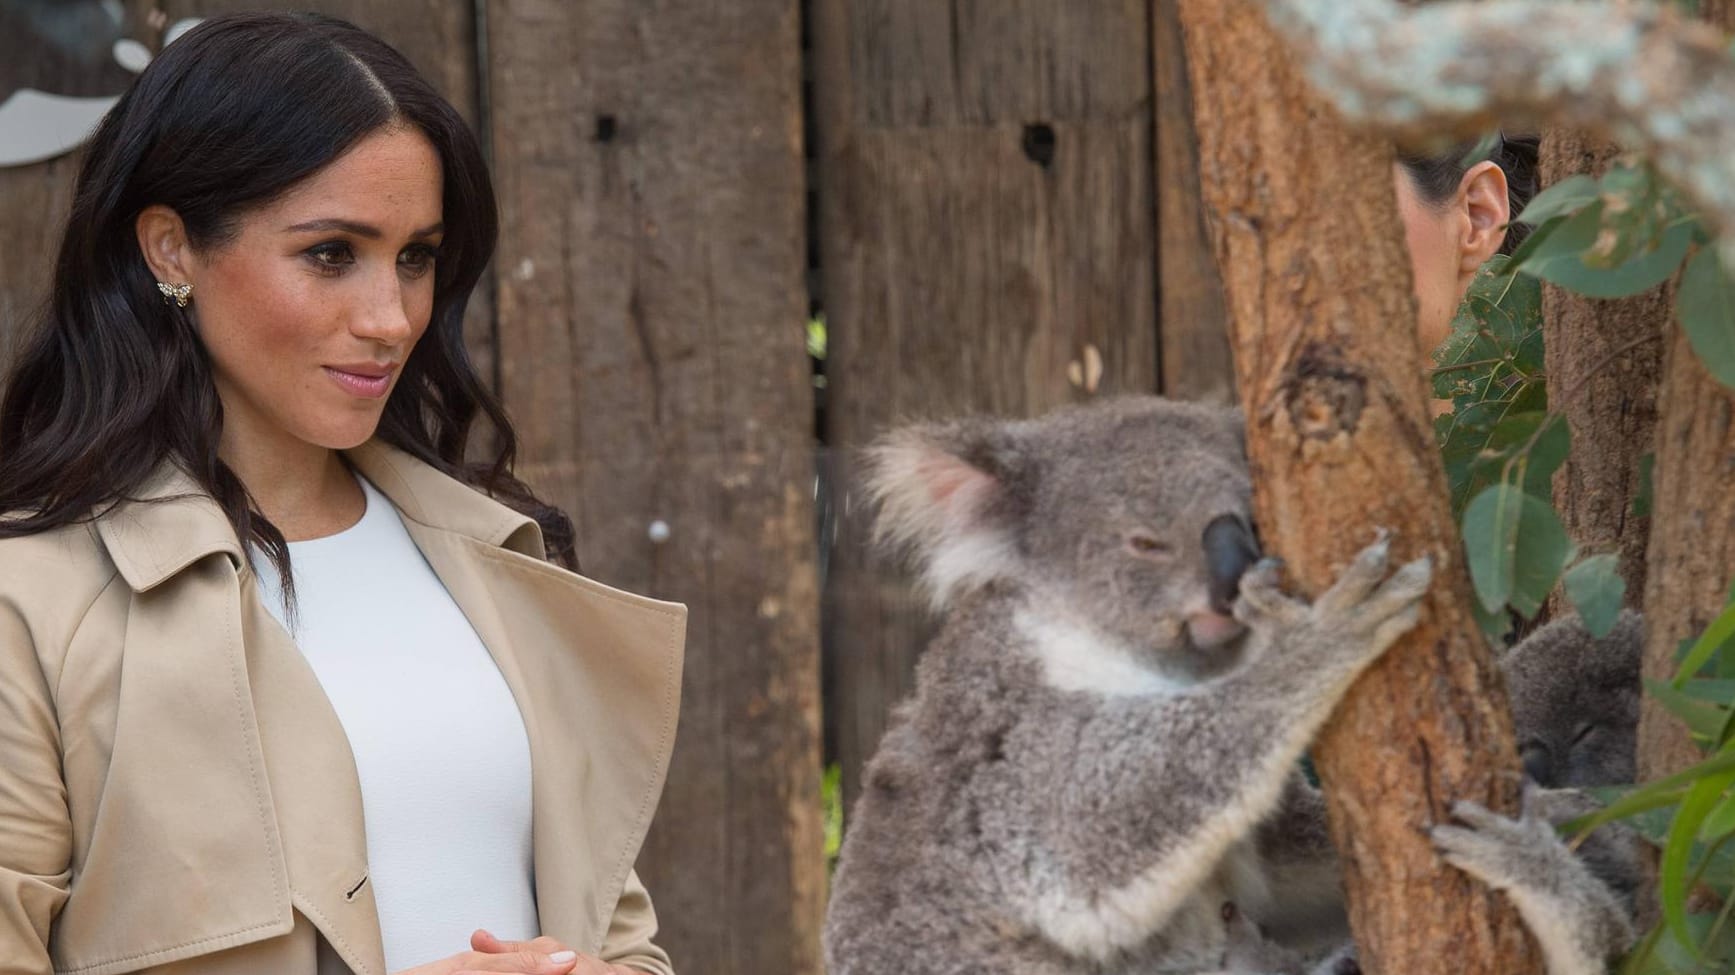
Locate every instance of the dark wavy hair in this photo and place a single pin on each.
(1436, 176)
(113, 380)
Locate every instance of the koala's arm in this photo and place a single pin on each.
(1152, 792)
(1577, 919)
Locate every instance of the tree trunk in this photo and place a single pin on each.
(1604, 362)
(1692, 545)
(1331, 375)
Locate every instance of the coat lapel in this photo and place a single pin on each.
(313, 777)
(247, 709)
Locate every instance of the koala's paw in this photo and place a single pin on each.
(1354, 621)
(1499, 851)
(1365, 601)
(1578, 919)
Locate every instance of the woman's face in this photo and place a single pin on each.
(309, 312)
(1448, 241)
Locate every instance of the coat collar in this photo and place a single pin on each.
(171, 523)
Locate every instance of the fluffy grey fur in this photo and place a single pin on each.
(1579, 921)
(1094, 763)
(1575, 702)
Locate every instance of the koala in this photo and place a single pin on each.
(1575, 702)
(1108, 721)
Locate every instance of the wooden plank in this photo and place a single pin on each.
(986, 226)
(34, 199)
(439, 38)
(652, 302)
(1195, 339)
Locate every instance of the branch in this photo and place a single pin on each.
(1643, 76)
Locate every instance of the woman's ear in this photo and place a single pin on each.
(163, 242)
(1487, 209)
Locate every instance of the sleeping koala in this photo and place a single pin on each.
(1575, 702)
(1109, 719)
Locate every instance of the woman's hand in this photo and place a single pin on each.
(544, 956)
(485, 942)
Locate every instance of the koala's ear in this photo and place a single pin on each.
(947, 493)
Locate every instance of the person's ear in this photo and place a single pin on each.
(163, 242)
(1487, 209)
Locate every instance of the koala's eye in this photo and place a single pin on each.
(1146, 545)
(1583, 733)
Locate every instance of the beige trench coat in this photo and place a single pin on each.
(178, 796)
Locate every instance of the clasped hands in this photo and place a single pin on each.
(541, 956)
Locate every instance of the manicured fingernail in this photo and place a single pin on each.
(562, 957)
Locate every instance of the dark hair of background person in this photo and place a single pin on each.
(1436, 177)
(228, 118)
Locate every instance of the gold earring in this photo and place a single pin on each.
(177, 293)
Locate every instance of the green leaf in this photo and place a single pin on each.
(1705, 306)
(1491, 540)
(1703, 718)
(1720, 822)
(1595, 587)
(1516, 546)
(1672, 885)
(1714, 640)
(1533, 243)
(1566, 197)
(1567, 258)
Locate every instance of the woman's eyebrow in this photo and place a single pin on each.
(359, 229)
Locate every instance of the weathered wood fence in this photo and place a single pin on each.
(993, 201)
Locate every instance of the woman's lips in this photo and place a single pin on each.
(360, 384)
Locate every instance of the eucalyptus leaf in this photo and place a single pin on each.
(1596, 588)
(1562, 199)
(1705, 306)
(1516, 546)
(1566, 258)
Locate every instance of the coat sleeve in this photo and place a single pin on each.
(630, 932)
(35, 827)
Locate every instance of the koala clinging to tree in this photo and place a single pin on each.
(1112, 709)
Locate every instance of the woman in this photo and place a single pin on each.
(1455, 218)
(252, 370)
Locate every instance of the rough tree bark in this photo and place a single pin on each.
(1604, 361)
(1692, 544)
(1331, 375)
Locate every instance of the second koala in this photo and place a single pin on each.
(1080, 781)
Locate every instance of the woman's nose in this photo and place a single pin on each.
(1230, 549)
(384, 317)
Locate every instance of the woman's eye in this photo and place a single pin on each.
(1146, 545)
(334, 256)
(417, 260)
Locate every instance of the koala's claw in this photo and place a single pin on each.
(1363, 575)
(1262, 599)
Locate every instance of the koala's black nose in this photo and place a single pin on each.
(1230, 549)
(1538, 764)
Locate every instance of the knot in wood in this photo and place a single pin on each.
(1325, 393)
